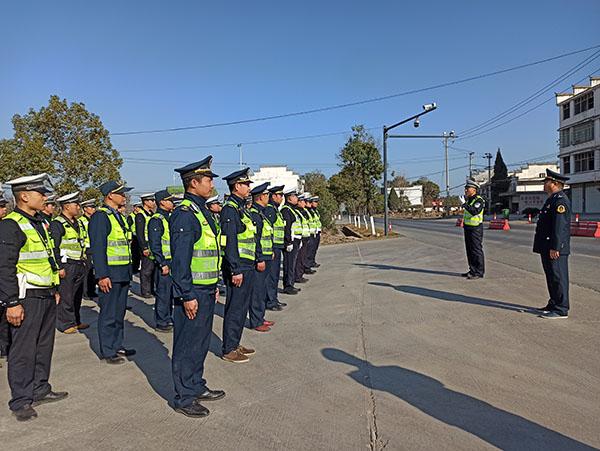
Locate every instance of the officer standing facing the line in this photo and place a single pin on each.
(552, 241)
(264, 254)
(28, 291)
(195, 270)
(159, 242)
(89, 281)
(473, 205)
(112, 260)
(238, 232)
(69, 239)
(318, 225)
(147, 265)
(292, 240)
(276, 220)
(302, 251)
(4, 326)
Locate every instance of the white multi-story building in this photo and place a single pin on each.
(526, 188)
(579, 134)
(414, 194)
(277, 175)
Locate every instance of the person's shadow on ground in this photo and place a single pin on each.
(496, 426)
(455, 297)
(408, 269)
(152, 357)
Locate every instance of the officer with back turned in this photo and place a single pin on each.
(238, 232)
(196, 258)
(473, 205)
(109, 241)
(552, 241)
(28, 290)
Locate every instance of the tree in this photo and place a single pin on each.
(393, 201)
(316, 183)
(404, 203)
(345, 190)
(500, 180)
(66, 141)
(399, 181)
(361, 160)
(431, 190)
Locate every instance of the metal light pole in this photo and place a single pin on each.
(239, 146)
(447, 136)
(428, 108)
(471, 164)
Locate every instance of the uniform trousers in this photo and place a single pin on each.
(557, 280)
(30, 353)
(191, 341)
(236, 308)
(147, 276)
(111, 319)
(89, 281)
(258, 302)
(71, 292)
(4, 332)
(474, 246)
(135, 255)
(273, 271)
(163, 302)
(289, 265)
(301, 260)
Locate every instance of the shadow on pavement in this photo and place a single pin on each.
(454, 297)
(496, 426)
(407, 269)
(152, 357)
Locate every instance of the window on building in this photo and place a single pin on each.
(584, 103)
(566, 165)
(584, 161)
(583, 133)
(565, 135)
(566, 110)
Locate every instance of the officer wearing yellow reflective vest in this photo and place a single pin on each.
(146, 264)
(473, 205)
(314, 205)
(292, 237)
(195, 251)
(28, 290)
(275, 218)
(264, 254)
(159, 243)
(238, 232)
(89, 282)
(109, 242)
(301, 263)
(69, 239)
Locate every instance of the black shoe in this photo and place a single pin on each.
(554, 315)
(466, 274)
(290, 290)
(211, 395)
(163, 329)
(317, 265)
(302, 280)
(309, 271)
(473, 277)
(548, 308)
(116, 360)
(52, 396)
(126, 352)
(275, 308)
(194, 410)
(281, 304)
(4, 353)
(25, 413)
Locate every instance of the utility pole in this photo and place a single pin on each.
(471, 164)
(489, 159)
(446, 137)
(241, 161)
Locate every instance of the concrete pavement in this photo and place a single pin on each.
(385, 347)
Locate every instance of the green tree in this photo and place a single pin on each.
(346, 190)
(66, 141)
(431, 190)
(500, 180)
(399, 181)
(393, 201)
(316, 184)
(360, 160)
(403, 203)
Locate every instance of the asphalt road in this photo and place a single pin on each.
(386, 347)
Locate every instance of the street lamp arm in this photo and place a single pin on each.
(412, 118)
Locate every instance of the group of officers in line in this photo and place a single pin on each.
(184, 249)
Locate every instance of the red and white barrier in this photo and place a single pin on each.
(499, 224)
(585, 228)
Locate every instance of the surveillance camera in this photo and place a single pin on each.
(417, 123)
(429, 106)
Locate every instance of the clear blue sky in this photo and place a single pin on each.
(155, 64)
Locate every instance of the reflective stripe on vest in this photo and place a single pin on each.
(118, 252)
(278, 227)
(473, 220)
(297, 225)
(165, 239)
(34, 256)
(305, 226)
(266, 237)
(206, 256)
(246, 239)
(318, 221)
(84, 223)
(72, 244)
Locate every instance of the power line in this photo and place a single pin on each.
(351, 104)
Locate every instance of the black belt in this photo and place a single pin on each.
(40, 292)
(70, 260)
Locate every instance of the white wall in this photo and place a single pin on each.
(592, 198)
(577, 199)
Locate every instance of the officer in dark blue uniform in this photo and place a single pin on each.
(4, 326)
(238, 272)
(291, 241)
(194, 304)
(552, 241)
(473, 206)
(113, 280)
(163, 305)
(274, 265)
(146, 263)
(258, 303)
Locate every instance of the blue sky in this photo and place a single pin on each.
(153, 64)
